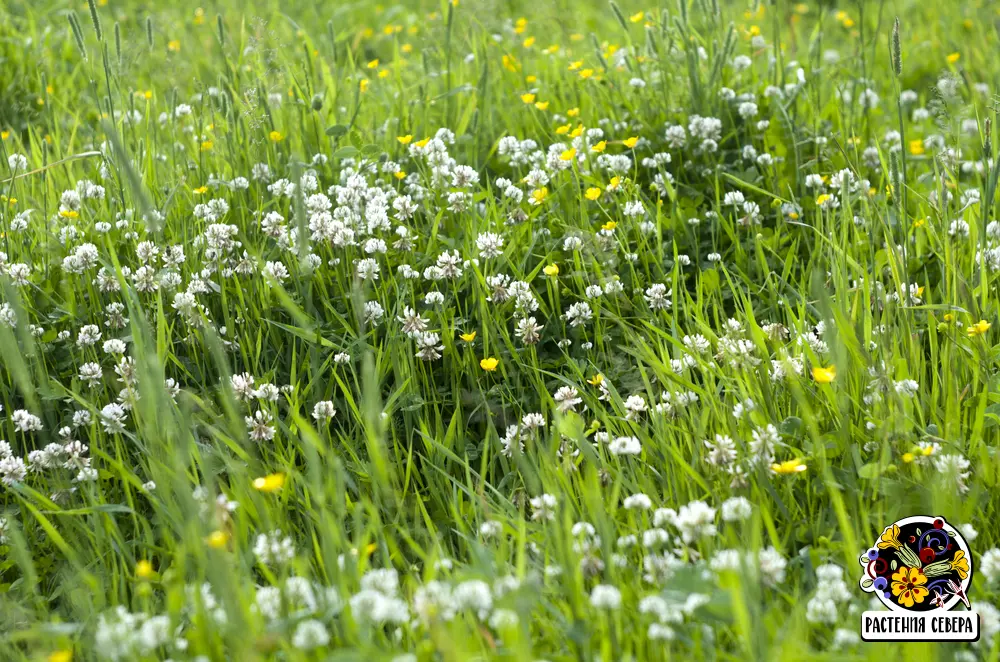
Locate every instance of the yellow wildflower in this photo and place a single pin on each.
(489, 364)
(824, 375)
(269, 483)
(144, 570)
(979, 328)
(788, 467)
(538, 195)
(217, 539)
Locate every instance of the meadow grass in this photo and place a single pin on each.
(490, 330)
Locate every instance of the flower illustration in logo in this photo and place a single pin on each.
(889, 538)
(908, 586)
(918, 564)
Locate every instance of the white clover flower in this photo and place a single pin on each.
(543, 507)
(310, 634)
(736, 509)
(605, 596)
(323, 411)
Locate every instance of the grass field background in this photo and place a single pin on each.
(490, 330)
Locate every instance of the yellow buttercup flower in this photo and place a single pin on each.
(200, 190)
(599, 147)
(422, 143)
(907, 458)
(586, 73)
(399, 174)
(788, 467)
(206, 146)
(551, 270)
(144, 570)
(631, 142)
(596, 380)
(614, 183)
(979, 328)
(637, 17)
(824, 375)
(269, 483)
(542, 105)
(174, 45)
(69, 213)
(916, 147)
(489, 364)
(468, 337)
(528, 97)
(373, 64)
(538, 195)
(593, 193)
(572, 112)
(65, 655)
(404, 140)
(276, 136)
(609, 226)
(217, 539)
(568, 154)
(953, 57)
(560, 130)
